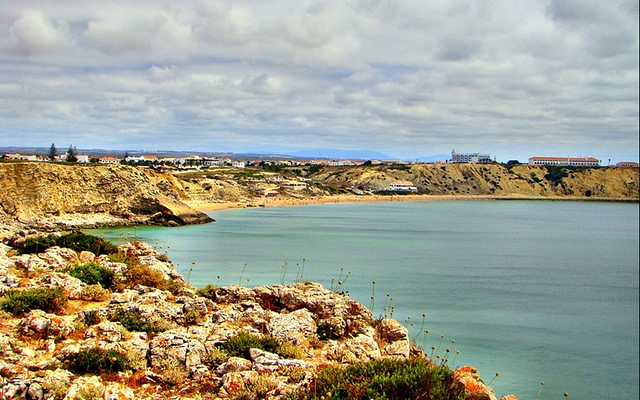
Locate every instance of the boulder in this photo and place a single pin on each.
(233, 364)
(393, 338)
(474, 387)
(43, 324)
(117, 391)
(86, 387)
(295, 327)
(176, 344)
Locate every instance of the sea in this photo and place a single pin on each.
(540, 296)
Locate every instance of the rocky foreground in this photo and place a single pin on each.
(174, 338)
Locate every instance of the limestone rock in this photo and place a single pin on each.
(233, 364)
(43, 324)
(106, 331)
(117, 391)
(86, 387)
(296, 326)
(176, 344)
(234, 382)
(393, 337)
(475, 388)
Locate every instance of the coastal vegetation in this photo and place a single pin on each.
(76, 241)
(96, 360)
(20, 302)
(415, 378)
(241, 344)
(299, 341)
(93, 273)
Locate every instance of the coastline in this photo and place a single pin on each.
(353, 198)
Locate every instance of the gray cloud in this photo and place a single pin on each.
(407, 78)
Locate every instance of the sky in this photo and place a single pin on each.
(509, 78)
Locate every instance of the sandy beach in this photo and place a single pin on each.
(353, 198)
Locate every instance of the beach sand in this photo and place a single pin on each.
(353, 198)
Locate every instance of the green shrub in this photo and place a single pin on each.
(77, 241)
(133, 320)
(208, 291)
(93, 273)
(239, 346)
(556, 174)
(95, 360)
(144, 275)
(122, 258)
(387, 379)
(20, 302)
(91, 317)
(36, 244)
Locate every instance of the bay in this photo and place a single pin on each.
(535, 290)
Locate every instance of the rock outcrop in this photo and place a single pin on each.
(491, 179)
(56, 195)
(47, 195)
(172, 337)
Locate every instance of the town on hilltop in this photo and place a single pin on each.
(197, 162)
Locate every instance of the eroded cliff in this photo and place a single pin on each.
(40, 194)
(492, 179)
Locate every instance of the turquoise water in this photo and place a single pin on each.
(535, 290)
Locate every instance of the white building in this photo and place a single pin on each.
(565, 161)
(402, 186)
(470, 158)
(293, 185)
(627, 164)
(137, 159)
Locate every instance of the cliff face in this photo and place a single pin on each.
(43, 193)
(493, 179)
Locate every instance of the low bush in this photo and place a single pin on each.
(208, 291)
(36, 244)
(143, 275)
(556, 174)
(239, 346)
(90, 317)
(122, 258)
(77, 241)
(96, 360)
(93, 273)
(387, 379)
(133, 320)
(20, 302)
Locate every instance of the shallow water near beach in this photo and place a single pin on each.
(535, 290)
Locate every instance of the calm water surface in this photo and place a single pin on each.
(535, 290)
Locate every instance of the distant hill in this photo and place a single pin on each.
(348, 154)
(435, 157)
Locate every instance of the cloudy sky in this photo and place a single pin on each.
(511, 78)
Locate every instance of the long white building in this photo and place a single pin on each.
(565, 161)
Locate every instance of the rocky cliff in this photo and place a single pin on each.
(37, 194)
(44, 194)
(491, 179)
(148, 334)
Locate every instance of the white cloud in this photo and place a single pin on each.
(407, 77)
(32, 34)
